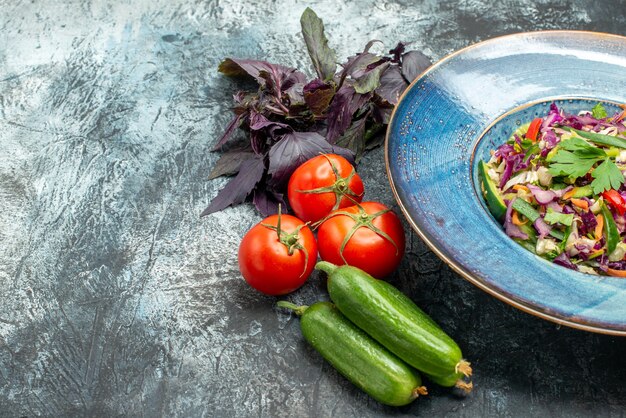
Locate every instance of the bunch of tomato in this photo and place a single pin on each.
(325, 193)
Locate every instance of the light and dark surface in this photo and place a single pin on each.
(116, 299)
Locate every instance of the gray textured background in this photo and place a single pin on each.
(117, 299)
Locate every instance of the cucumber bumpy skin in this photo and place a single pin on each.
(392, 319)
(359, 358)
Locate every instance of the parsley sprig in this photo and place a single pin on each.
(576, 157)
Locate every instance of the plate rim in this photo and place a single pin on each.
(456, 267)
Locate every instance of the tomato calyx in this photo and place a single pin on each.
(362, 219)
(341, 187)
(291, 240)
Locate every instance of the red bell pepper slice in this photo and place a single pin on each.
(616, 200)
(533, 129)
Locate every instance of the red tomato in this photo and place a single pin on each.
(372, 237)
(276, 257)
(533, 129)
(323, 184)
(616, 200)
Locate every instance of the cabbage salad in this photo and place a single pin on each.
(557, 186)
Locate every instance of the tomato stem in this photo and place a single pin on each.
(362, 219)
(341, 187)
(278, 231)
(290, 240)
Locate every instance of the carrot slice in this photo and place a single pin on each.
(583, 204)
(521, 187)
(616, 273)
(515, 219)
(569, 194)
(599, 226)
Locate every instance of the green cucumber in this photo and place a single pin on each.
(596, 138)
(492, 195)
(355, 355)
(582, 191)
(610, 229)
(526, 209)
(393, 320)
(451, 380)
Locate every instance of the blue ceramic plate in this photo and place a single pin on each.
(467, 104)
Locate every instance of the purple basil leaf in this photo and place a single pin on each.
(258, 137)
(291, 151)
(267, 201)
(359, 102)
(236, 191)
(280, 76)
(230, 162)
(264, 132)
(293, 78)
(370, 80)
(392, 85)
(228, 132)
(382, 114)
(353, 138)
(345, 153)
(340, 113)
(258, 121)
(356, 65)
(295, 94)
(294, 149)
(318, 95)
(277, 82)
(413, 64)
(370, 44)
(323, 57)
(235, 67)
(315, 85)
(272, 83)
(398, 51)
(374, 136)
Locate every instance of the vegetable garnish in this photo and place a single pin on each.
(291, 119)
(565, 174)
(615, 200)
(533, 129)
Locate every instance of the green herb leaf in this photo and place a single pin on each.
(553, 217)
(598, 111)
(323, 57)
(607, 176)
(569, 164)
(580, 146)
(574, 158)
